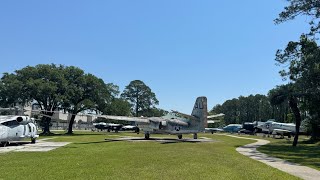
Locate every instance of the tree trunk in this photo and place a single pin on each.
(294, 107)
(315, 133)
(71, 124)
(46, 123)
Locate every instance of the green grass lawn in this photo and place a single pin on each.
(305, 153)
(90, 157)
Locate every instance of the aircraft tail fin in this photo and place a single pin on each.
(200, 111)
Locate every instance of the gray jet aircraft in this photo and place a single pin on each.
(173, 123)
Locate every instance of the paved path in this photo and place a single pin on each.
(251, 151)
(40, 146)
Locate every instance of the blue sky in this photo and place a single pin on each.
(180, 48)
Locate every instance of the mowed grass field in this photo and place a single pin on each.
(89, 156)
(306, 153)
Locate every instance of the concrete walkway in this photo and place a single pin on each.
(40, 146)
(250, 150)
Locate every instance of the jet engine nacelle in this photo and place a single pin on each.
(23, 120)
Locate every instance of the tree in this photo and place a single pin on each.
(310, 8)
(288, 93)
(140, 96)
(11, 91)
(245, 109)
(303, 61)
(118, 107)
(85, 92)
(43, 84)
(154, 112)
(55, 87)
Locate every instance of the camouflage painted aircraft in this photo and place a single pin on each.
(174, 122)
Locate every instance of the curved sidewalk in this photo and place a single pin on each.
(251, 151)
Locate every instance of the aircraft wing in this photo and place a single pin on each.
(178, 122)
(187, 116)
(212, 121)
(145, 119)
(281, 131)
(125, 118)
(216, 115)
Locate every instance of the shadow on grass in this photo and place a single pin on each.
(94, 142)
(64, 134)
(305, 153)
(160, 140)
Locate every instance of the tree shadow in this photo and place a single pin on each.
(77, 134)
(305, 153)
(160, 140)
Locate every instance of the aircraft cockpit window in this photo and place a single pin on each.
(10, 123)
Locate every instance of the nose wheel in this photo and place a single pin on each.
(195, 136)
(180, 136)
(3, 144)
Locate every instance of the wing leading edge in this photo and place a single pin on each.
(145, 119)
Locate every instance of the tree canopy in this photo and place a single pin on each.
(303, 61)
(246, 109)
(140, 97)
(309, 8)
(55, 87)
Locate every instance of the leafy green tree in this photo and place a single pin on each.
(118, 107)
(245, 109)
(308, 8)
(154, 112)
(303, 61)
(140, 96)
(55, 87)
(288, 93)
(11, 91)
(43, 84)
(85, 92)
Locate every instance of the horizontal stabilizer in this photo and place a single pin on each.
(216, 115)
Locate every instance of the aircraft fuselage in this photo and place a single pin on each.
(12, 130)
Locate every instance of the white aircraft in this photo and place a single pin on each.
(129, 128)
(173, 123)
(276, 128)
(17, 128)
(109, 126)
(213, 130)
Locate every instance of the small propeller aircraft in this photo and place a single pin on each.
(17, 128)
(173, 123)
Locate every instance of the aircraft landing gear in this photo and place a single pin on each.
(180, 136)
(33, 140)
(195, 136)
(146, 135)
(3, 144)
